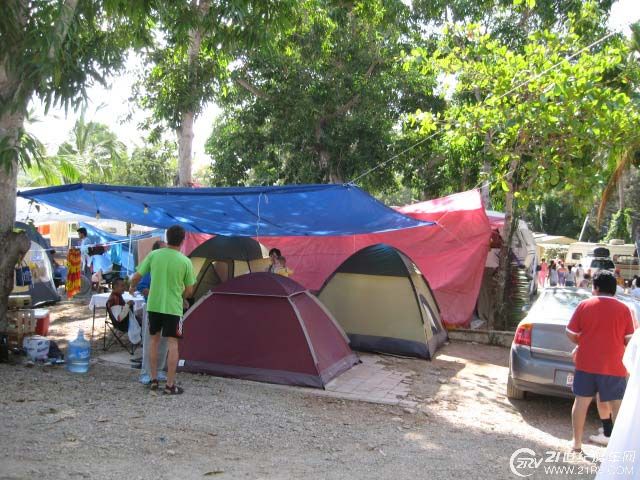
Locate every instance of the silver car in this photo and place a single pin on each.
(541, 353)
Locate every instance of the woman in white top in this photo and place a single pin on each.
(570, 277)
(579, 274)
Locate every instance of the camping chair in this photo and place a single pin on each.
(118, 335)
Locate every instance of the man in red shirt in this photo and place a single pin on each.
(601, 326)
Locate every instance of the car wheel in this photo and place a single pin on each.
(514, 393)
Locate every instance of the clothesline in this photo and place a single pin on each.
(127, 240)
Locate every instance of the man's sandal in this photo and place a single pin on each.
(172, 390)
(154, 385)
(584, 456)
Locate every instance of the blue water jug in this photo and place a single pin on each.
(78, 354)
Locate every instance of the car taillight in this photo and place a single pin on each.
(523, 335)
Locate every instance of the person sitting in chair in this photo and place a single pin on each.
(118, 309)
(274, 255)
(282, 269)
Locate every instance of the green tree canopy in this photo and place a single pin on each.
(553, 115)
(322, 104)
(547, 123)
(620, 226)
(188, 63)
(556, 214)
(153, 165)
(52, 49)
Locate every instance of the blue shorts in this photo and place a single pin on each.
(609, 387)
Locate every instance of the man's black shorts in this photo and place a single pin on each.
(608, 386)
(169, 325)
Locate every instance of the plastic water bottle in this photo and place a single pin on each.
(78, 354)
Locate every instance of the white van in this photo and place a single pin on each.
(628, 265)
(577, 251)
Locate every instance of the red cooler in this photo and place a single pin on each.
(42, 321)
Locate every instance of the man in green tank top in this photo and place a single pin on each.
(172, 281)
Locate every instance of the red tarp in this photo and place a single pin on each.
(451, 254)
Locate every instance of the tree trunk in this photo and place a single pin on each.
(621, 185)
(185, 131)
(485, 187)
(185, 142)
(13, 113)
(323, 154)
(335, 177)
(67, 12)
(486, 164)
(504, 267)
(13, 245)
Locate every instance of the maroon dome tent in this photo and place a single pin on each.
(264, 327)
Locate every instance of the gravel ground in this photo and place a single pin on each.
(105, 425)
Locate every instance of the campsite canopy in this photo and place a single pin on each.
(296, 210)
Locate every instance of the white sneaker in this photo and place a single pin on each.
(601, 430)
(600, 439)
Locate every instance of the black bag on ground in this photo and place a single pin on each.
(54, 350)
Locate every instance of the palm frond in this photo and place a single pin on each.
(623, 163)
(69, 170)
(26, 152)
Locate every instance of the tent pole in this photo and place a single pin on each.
(129, 255)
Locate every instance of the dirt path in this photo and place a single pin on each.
(105, 425)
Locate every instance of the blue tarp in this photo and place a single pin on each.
(295, 210)
(118, 248)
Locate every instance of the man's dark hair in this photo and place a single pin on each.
(117, 281)
(175, 235)
(276, 251)
(82, 231)
(157, 245)
(605, 282)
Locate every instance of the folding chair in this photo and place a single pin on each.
(117, 335)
